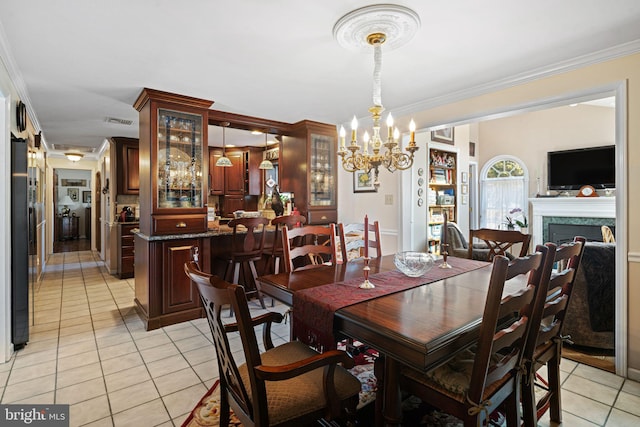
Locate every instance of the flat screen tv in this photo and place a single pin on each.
(571, 169)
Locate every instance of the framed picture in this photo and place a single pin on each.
(443, 135)
(472, 149)
(464, 189)
(363, 182)
(86, 197)
(64, 182)
(464, 177)
(465, 199)
(74, 193)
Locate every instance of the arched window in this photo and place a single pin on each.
(504, 181)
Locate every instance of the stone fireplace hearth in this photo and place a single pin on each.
(579, 215)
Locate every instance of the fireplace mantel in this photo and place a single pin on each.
(583, 207)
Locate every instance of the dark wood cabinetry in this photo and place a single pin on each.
(314, 187)
(127, 165)
(216, 174)
(238, 181)
(173, 175)
(67, 227)
(234, 175)
(125, 250)
(164, 294)
(174, 170)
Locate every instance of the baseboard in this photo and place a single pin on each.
(633, 374)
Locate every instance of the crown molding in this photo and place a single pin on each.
(597, 57)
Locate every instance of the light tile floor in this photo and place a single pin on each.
(88, 348)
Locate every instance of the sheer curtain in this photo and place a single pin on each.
(503, 187)
(499, 197)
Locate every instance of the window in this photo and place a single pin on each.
(503, 186)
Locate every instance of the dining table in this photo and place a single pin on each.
(412, 321)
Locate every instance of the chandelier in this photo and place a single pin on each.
(368, 27)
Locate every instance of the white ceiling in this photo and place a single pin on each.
(77, 62)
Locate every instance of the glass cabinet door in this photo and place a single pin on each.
(322, 171)
(179, 167)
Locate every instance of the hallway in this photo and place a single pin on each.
(88, 348)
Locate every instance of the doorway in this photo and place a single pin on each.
(72, 210)
(617, 92)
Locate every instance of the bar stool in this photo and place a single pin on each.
(246, 249)
(276, 254)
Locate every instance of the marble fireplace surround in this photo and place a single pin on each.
(569, 210)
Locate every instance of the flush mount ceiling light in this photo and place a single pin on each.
(266, 163)
(363, 30)
(224, 160)
(74, 157)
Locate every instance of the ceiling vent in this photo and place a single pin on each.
(116, 121)
(77, 148)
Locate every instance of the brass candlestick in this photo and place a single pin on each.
(443, 249)
(366, 284)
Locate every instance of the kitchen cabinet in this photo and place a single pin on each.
(238, 181)
(173, 139)
(307, 168)
(234, 175)
(216, 174)
(442, 194)
(126, 165)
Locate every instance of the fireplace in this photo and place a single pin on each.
(559, 233)
(559, 219)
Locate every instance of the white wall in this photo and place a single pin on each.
(530, 136)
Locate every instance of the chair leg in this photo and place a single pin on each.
(252, 266)
(553, 372)
(529, 413)
(236, 277)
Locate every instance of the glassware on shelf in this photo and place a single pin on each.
(180, 174)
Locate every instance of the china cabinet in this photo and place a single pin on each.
(314, 187)
(173, 174)
(442, 193)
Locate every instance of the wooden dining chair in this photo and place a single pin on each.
(607, 235)
(487, 375)
(498, 242)
(548, 339)
(287, 385)
(351, 241)
(308, 247)
(276, 252)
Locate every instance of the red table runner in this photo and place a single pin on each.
(313, 308)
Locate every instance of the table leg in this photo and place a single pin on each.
(392, 397)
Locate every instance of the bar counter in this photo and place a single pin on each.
(163, 293)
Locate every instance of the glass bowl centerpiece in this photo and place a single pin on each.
(414, 264)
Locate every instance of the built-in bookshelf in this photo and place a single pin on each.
(442, 194)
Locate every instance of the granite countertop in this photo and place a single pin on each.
(215, 229)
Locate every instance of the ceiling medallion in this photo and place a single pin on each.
(398, 23)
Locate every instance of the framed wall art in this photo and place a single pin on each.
(86, 197)
(363, 182)
(74, 193)
(443, 135)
